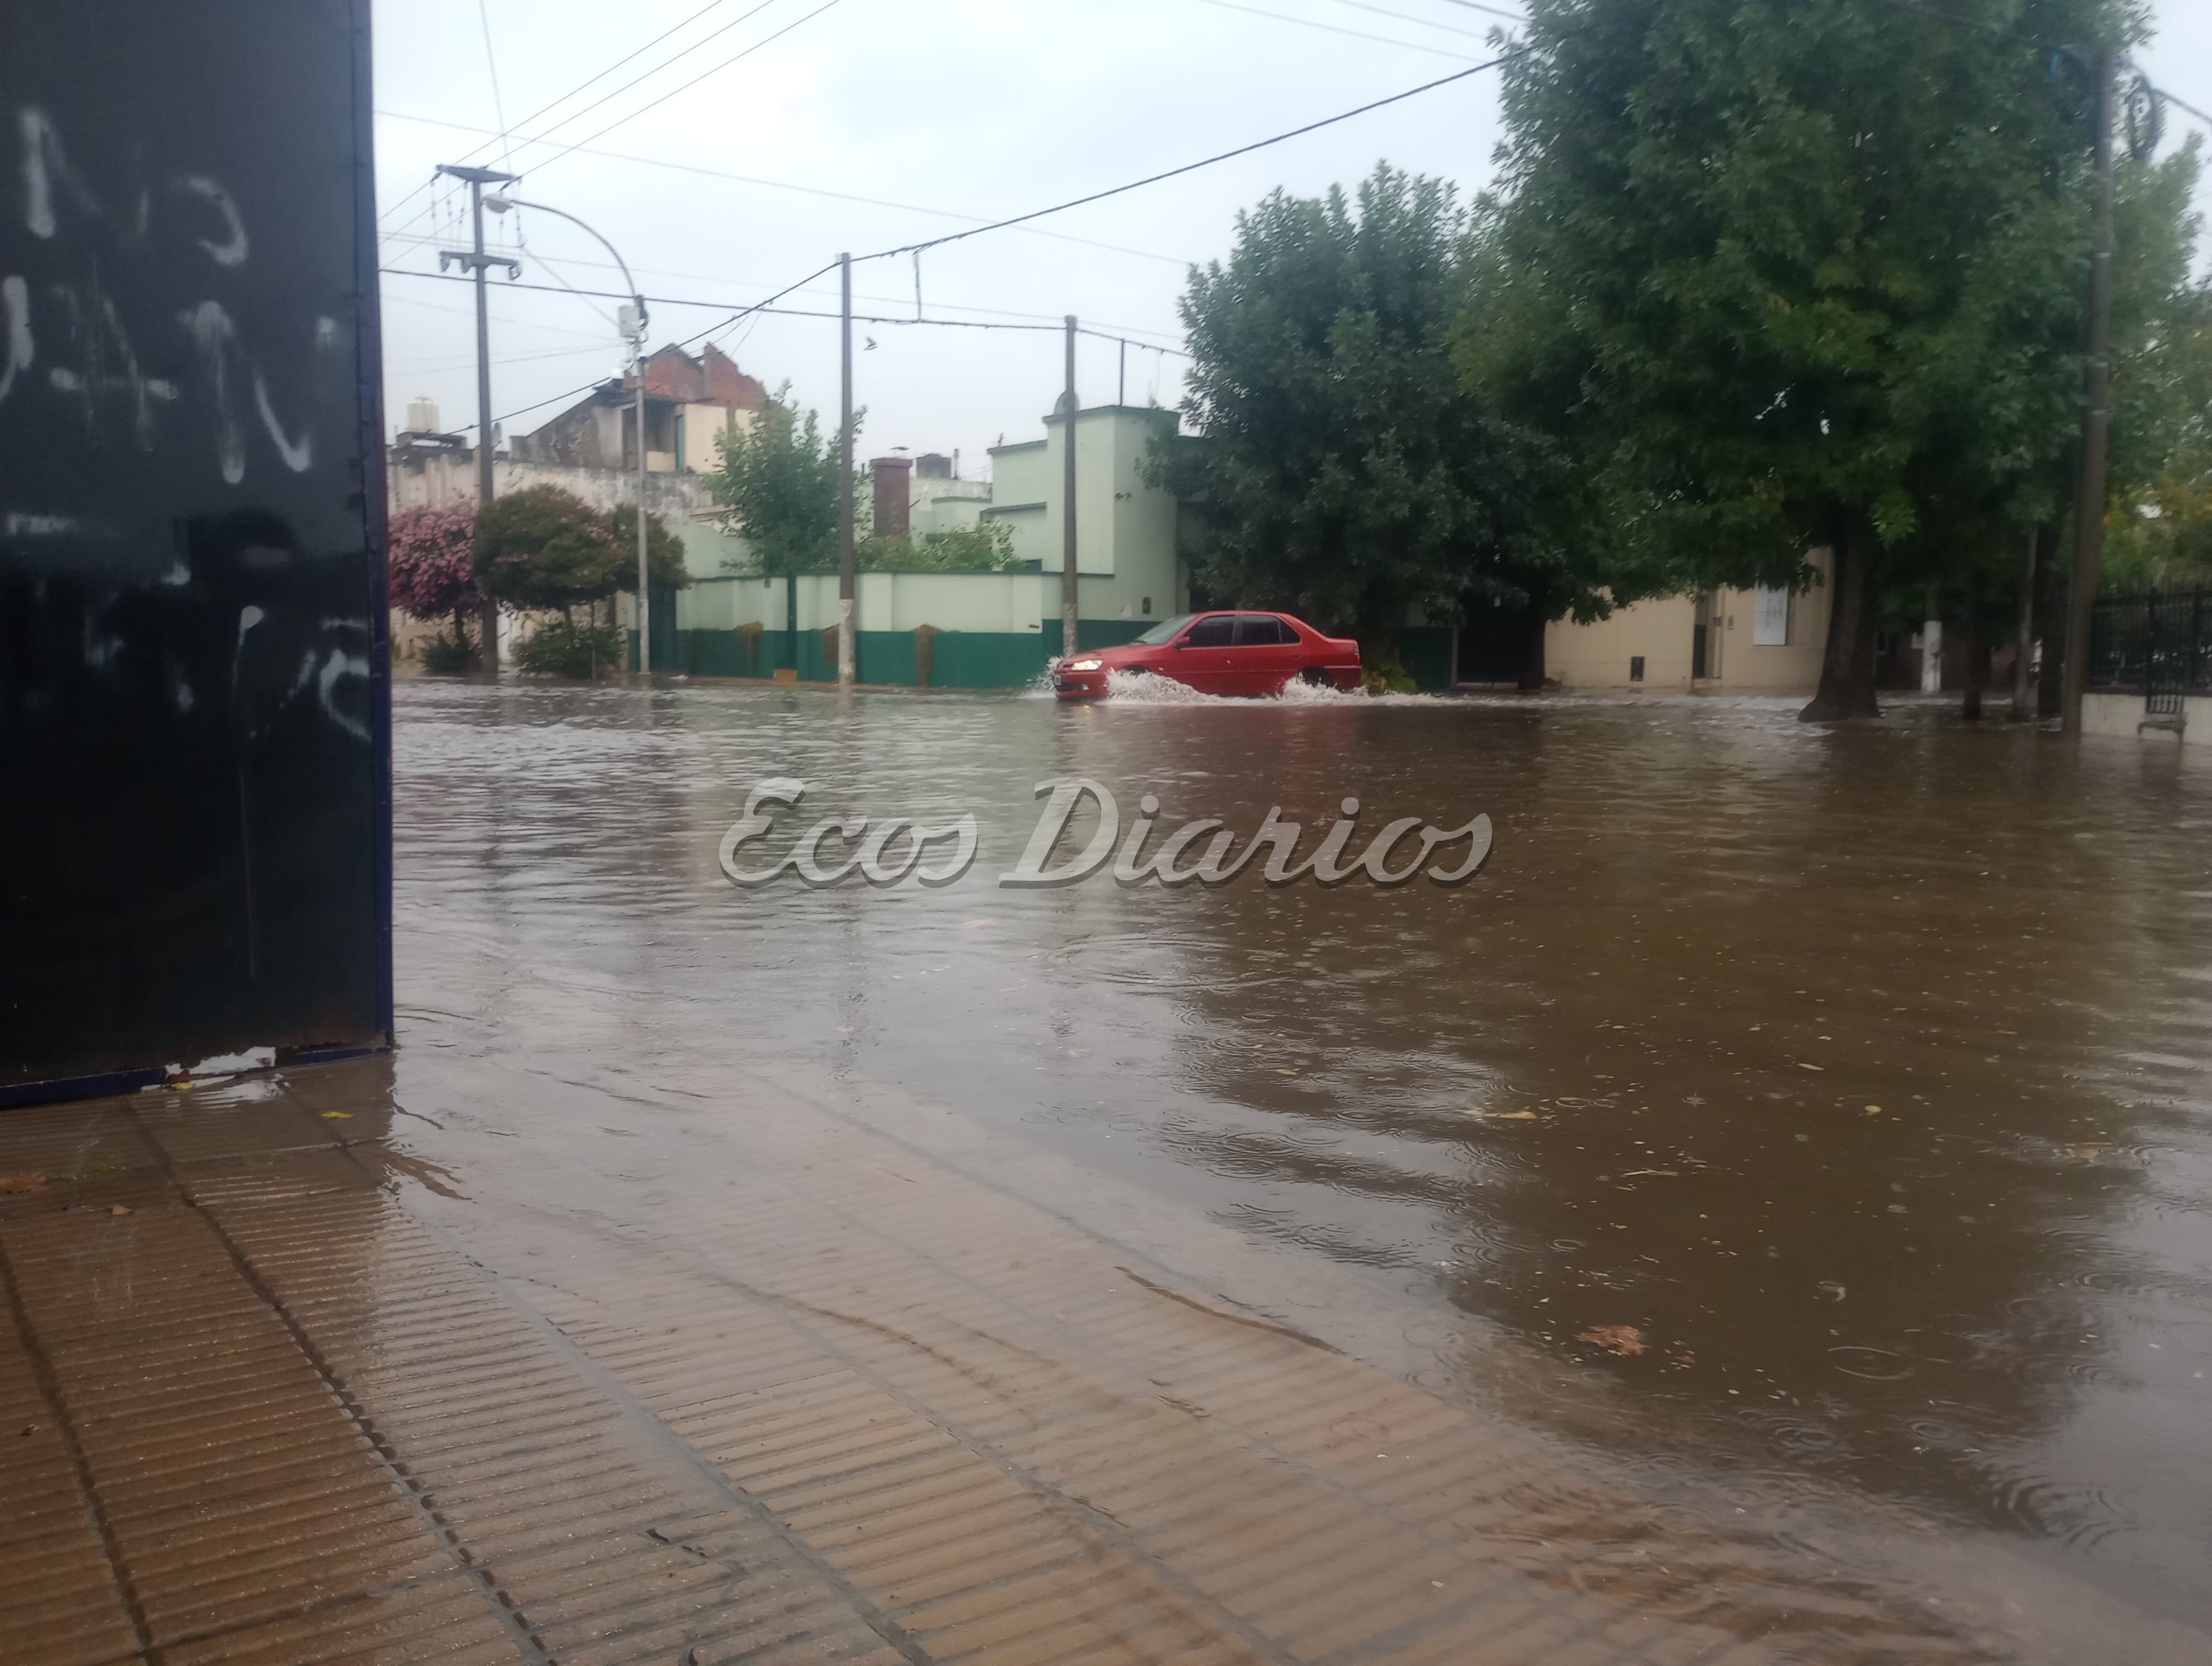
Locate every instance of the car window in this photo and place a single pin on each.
(1215, 632)
(1260, 630)
(1165, 630)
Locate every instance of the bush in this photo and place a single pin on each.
(449, 656)
(561, 648)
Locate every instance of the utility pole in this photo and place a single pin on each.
(632, 319)
(2096, 411)
(847, 563)
(1121, 388)
(1068, 586)
(475, 260)
(2024, 636)
(636, 333)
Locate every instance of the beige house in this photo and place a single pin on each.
(1747, 641)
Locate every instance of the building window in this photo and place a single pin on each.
(1769, 622)
(1635, 668)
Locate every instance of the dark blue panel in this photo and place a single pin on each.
(194, 742)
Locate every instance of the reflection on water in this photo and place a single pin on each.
(1863, 1072)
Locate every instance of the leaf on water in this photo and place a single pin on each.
(28, 1182)
(1814, 1068)
(118, 1208)
(1502, 1115)
(1624, 1340)
(1831, 1289)
(344, 1116)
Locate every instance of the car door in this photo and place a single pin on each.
(1265, 649)
(1202, 661)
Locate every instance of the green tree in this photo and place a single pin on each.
(779, 478)
(1817, 264)
(988, 547)
(544, 547)
(1337, 468)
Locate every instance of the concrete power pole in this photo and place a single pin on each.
(1068, 608)
(2096, 409)
(848, 562)
(475, 260)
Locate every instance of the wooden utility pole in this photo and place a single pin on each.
(477, 262)
(847, 564)
(2024, 637)
(2096, 409)
(1067, 587)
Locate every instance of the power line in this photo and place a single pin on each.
(807, 190)
(1423, 22)
(491, 63)
(1355, 34)
(655, 104)
(602, 74)
(1494, 11)
(1109, 334)
(1208, 161)
(605, 265)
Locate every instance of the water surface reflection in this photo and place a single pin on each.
(1863, 1072)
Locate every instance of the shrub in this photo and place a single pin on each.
(562, 647)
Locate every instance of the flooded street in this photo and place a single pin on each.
(1863, 1073)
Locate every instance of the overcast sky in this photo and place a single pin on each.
(864, 124)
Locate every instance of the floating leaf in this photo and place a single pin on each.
(31, 1182)
(1624, 1340)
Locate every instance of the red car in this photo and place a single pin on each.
(1221, 653)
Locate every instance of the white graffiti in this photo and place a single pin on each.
(53, 184)
(15, 304)
(231, 252)
(103, 331)
(216, 336)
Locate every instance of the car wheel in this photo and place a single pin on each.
(1314, 678)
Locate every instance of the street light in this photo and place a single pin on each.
(633, 319)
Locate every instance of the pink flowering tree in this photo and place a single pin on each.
(427, 566)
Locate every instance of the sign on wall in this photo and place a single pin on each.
(1770, 618)
(194, 827)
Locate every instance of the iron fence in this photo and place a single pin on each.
(2159, 646)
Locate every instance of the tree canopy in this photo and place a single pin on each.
(428, 569)
(1812, 270)
(779, 478)
(542, 547)
(1338, 467)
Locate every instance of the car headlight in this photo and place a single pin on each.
(1085, 664)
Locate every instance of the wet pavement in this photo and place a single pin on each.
(1111, 1273)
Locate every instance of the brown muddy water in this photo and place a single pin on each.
(1862, 1071)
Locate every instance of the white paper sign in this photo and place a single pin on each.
(1769, 623)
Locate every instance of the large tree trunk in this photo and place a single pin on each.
(1977, 655)
(1847, 667)
(1532, 622)
(2051, 626)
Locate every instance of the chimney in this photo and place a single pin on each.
(891, 495)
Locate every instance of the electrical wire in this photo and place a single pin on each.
(1112, 334)
(1355, 34)
(538, 167)
(1423, 22)
(601, 75)
(807, 190)
(608, 265)
(1191, 168)
(491, 64)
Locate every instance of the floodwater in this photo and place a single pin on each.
(1863, 1071)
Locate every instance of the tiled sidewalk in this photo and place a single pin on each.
(271, 1390)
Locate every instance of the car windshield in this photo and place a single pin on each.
(1165, 632)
